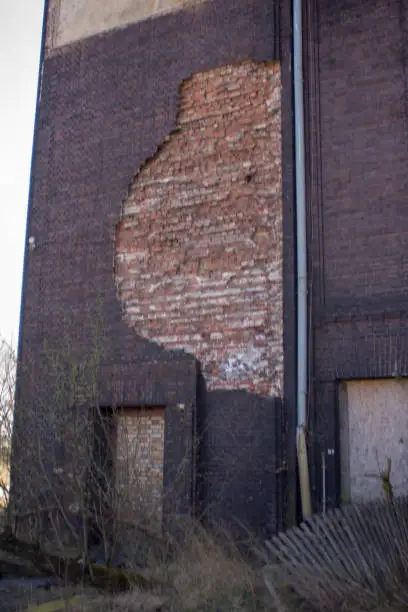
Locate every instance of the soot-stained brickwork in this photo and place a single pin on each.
(237, 463)
(106, 103)
(356, 101)
(199, 246)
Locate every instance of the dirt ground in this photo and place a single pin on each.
(32, 594)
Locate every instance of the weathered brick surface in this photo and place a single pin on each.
(199, 245)
(364, 145)
(238, 462)
(106, 104)
(358, 183)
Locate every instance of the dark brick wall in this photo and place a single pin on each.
(365, 177)
(238, 441)
(105, 105)
(357, 192)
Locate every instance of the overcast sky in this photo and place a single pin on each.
(20, 39)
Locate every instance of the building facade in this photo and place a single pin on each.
(163, 204)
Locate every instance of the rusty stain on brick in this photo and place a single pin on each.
(198, 262)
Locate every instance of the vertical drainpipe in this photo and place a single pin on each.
(301, 247)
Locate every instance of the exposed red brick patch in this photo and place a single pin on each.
(199, 246)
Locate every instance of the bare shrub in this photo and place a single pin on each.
(7, 388)
(205, 572)
(84, 473)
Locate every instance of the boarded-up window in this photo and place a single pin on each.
(139, 465)
(373, 426)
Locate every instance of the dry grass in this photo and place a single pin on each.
(354, 557)
(134, 601)
(205, 573)
(208, 572)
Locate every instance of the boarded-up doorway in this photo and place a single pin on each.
(373, 426)
(139, 466)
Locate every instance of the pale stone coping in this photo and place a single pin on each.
(73, 20)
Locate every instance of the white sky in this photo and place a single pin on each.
(20, 39)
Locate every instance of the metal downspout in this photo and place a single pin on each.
(301, 262)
